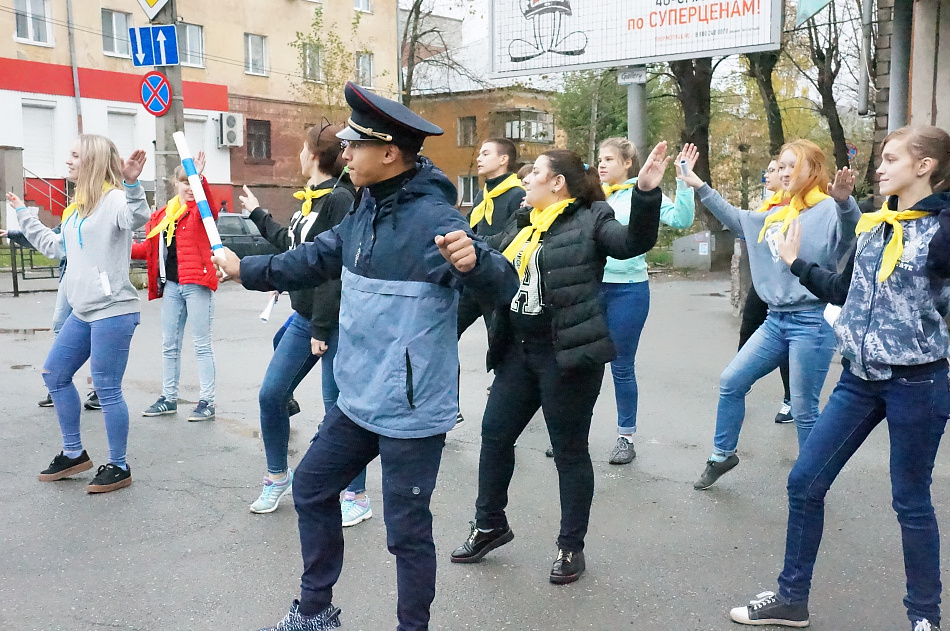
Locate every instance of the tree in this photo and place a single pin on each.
(327, 61)
(591, 107)
(429, 45)
(761, 67)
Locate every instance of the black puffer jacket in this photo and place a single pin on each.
(575, 250)
(321, 305)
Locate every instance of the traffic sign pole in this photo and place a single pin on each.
(166, 154)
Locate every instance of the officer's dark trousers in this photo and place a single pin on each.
(410, 467)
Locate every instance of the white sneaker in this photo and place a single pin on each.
(271, 494)
(353, 511)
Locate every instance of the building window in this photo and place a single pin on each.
(468, 186)
(312, 65)
(365, 6)
(191, 44)
(258, 140)
(466, 131)
(364, 69)
(33, 21)
(529, 125)
(255, 54)
(115, 33)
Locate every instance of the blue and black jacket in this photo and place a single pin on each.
(887, 328)
(397, 359)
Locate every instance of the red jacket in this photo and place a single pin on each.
(191, 241)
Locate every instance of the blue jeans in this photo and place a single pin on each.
(410, 468)
(627, 306)
(292, 361)
(105, 343)
(916, 408)
(807, 341)
(178, 303)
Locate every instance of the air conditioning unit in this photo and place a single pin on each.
(230, 130)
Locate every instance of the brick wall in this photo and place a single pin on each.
(885, 28)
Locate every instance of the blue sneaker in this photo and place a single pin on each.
(162, 406)
(353, 511)
(204, 412)
(273, 491)
(327, 619)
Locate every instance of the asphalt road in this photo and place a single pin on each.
(180, 550)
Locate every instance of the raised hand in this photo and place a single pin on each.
(15, 201)
(690, 154)
(653, 167)
(248, 200)
(200, 162)
(789, 243)
(227, 264)
(132, 166)
(458, 249)
(843, 185)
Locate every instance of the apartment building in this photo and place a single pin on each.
(237, 56)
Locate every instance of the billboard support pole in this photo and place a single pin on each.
(637, 113)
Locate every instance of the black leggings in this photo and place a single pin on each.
(754, 313)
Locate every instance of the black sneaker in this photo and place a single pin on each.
(459, 420)
(623, 452)
(92, 402)
(481, 543)
(293, 407)
(327, 619)
(568, 567)
(922, 624)
(784, 413)
(63, 466)
(714, 471)
(768, 609)
(47, 402)
(110, 477)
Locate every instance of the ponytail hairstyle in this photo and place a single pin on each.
(325, 148)
(582, 182)
(927, 142)
(99, 164)
(810, 167)
(627, 151)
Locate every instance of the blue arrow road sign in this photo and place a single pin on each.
(154, 45)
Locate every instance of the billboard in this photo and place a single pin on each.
(538, 36)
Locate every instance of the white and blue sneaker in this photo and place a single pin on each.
(353, 511)
(271, 494)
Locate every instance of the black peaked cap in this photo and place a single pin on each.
(379, 118)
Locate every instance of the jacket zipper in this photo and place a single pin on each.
(409, 393)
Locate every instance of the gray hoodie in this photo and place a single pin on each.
(827, 235)
(98, 248)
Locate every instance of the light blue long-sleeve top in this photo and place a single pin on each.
(677, 214)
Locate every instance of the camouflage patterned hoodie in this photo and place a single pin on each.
(897, 322)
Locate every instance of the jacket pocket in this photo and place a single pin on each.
(409, 388)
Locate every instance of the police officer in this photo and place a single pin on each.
(403, 254)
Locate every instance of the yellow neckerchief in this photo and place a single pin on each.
(778, 198)
(486, 207)
(541, 220)
(69, 210)
(173, 212)
(895, 247)
(308, 195)
(610, 189)
(793, 209)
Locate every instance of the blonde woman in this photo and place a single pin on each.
(97, 237)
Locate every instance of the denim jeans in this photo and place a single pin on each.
(291, 362)
(807, 341)
(62, 309)
(627, 306)
(194, 303)
(105, 343)
(410, 468)
(754, 313)
(528, 378)
(916, 408)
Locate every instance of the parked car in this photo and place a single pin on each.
(238, 233)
